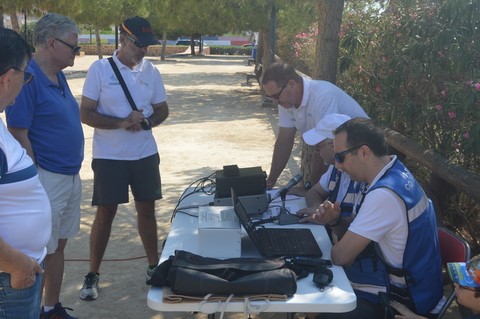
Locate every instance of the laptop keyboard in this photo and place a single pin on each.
(284, 240)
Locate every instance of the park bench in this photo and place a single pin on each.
(257, 72)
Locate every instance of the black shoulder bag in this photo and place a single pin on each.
(146, 123)
(190, 274)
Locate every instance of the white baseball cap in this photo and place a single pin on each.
(324, 128)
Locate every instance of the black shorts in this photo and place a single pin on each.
(111, 179)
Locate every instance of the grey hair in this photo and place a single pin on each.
(53, 25)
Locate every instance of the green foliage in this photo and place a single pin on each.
(296, 35)
(416, 69)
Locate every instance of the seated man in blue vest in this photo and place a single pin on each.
(390, 250)
(334, 186)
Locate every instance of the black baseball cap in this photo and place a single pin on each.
(140, 28)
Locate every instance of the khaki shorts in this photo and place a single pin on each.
(64, 193)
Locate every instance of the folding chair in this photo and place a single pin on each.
(453, 249)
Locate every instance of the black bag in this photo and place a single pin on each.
(190, 274)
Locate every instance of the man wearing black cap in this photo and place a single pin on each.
(124, 149)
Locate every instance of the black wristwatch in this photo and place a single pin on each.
(307, 185)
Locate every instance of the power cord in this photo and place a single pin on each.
(205, 185)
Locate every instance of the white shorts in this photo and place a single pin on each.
(64, 193)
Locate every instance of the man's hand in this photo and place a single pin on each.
(326, 213)
(270, 183)
(133, 121)
(25, 273)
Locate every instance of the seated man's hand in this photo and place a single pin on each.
(305, 214)
(326, 213)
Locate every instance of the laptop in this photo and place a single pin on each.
(277, 242)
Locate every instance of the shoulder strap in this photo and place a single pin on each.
(122, 84)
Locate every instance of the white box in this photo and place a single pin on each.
(219, 232)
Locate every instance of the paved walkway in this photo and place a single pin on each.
(214, 121)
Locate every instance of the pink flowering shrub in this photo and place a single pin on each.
(425, 57)
(299, 49)
(416, 69)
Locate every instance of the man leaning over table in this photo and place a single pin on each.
(302, 102)
(394, 226)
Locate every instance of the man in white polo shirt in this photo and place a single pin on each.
(25, 215)
(124, 149)
(302, 102)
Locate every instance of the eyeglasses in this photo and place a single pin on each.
(340, 157)
(75, 48)
(137, 43)
(277, 95)
(27, 76)
(469, 288)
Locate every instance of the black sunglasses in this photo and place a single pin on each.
(276, 96)
(340, 157)
(137, 43)
(469, 288)
(27, 76)
(75, 48)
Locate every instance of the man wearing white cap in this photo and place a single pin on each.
(334, 185)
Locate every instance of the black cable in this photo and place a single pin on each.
(205, 185)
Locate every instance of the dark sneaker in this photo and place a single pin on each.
(89, 289)
(58, 312)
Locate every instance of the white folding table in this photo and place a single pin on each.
(183, 235)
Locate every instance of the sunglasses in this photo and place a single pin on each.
(340, 157)
(27, 76)
(469, 288)
(137, 43)
(75, 48)
(276, 96)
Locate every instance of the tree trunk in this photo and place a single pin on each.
(264, 39)
(99, 43)
(325, 64)
(14, 20)
(192, 44)
(329, 21)
(164, 45)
